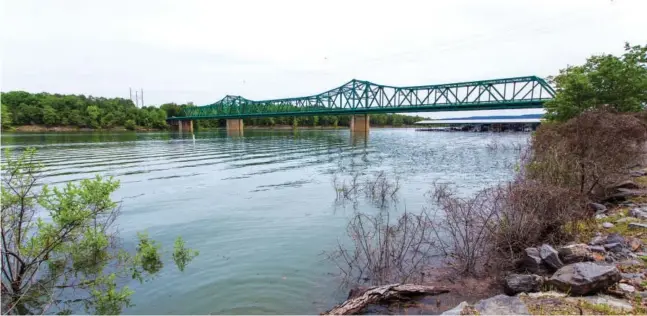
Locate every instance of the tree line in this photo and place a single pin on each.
(24, 108)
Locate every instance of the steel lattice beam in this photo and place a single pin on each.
(364, 97)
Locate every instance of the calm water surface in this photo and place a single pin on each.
(261, 207)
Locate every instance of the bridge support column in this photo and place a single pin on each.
(235, 125)
(360, 123)
(183, 126)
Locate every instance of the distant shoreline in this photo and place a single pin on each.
(58, 129)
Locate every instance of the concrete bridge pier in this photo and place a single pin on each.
(183, 126)
(235, 125)
(360, 123)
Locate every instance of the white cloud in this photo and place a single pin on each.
(199, 51)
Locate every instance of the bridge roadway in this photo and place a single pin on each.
(361, 98)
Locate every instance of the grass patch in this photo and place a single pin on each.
(549, 306)
(600, 309)
(641, 181)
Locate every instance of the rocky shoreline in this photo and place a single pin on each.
(603, 271)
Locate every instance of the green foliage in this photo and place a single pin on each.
(50, 117)
(23, 108)
(618, 82)
(60, 250)
(130, 125)
(183, 255)
(5, 119)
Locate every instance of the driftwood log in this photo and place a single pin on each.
(382, 294)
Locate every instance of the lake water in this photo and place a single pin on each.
(261, 207)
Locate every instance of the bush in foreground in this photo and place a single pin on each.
(60, 251)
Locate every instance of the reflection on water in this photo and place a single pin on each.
(260, 206)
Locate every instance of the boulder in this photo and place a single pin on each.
(550, 256)
(634, 244)
(637, 225)
(614, 247)
(610, 301)
(585, 278)
(597, 240)
(615, 238)
(607, 225)
(626, 184)
(626, 288)
(456, 310)
(598, 249)
(502, 305)
(532, 261)
(632, 276)
(598, 208)
(574, 253)
(522, 283)
(638, 213)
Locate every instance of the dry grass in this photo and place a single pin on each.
(497, 224)
(588, 153)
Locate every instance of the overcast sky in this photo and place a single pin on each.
(199, 51)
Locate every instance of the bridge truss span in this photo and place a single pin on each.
(365, 97)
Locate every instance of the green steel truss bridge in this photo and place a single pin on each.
(364, 97)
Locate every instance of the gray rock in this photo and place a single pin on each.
(632, 276)
(598, 208)
(626, 184)
(545, 294)
(607, 225)
(502, 305)
(585, 278)
(456, 310)
(522, 283)
(550, 256)
(532, 261)
(638, 213)
(625, 219)
(626, 288)
(574, 253)
(597, 240)
(598, 249)
(637, 173)
(614, 247)
(600, 216)
(630, 263)
(609, 301)
(615, 238)
(637, 225)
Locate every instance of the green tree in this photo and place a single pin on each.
(397, 120)
(93, 113)
(5, 120)
(130, 125)
(59, 249)
(50, 117)
(604, 80)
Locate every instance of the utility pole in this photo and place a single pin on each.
(136, 99)
(142, 96)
